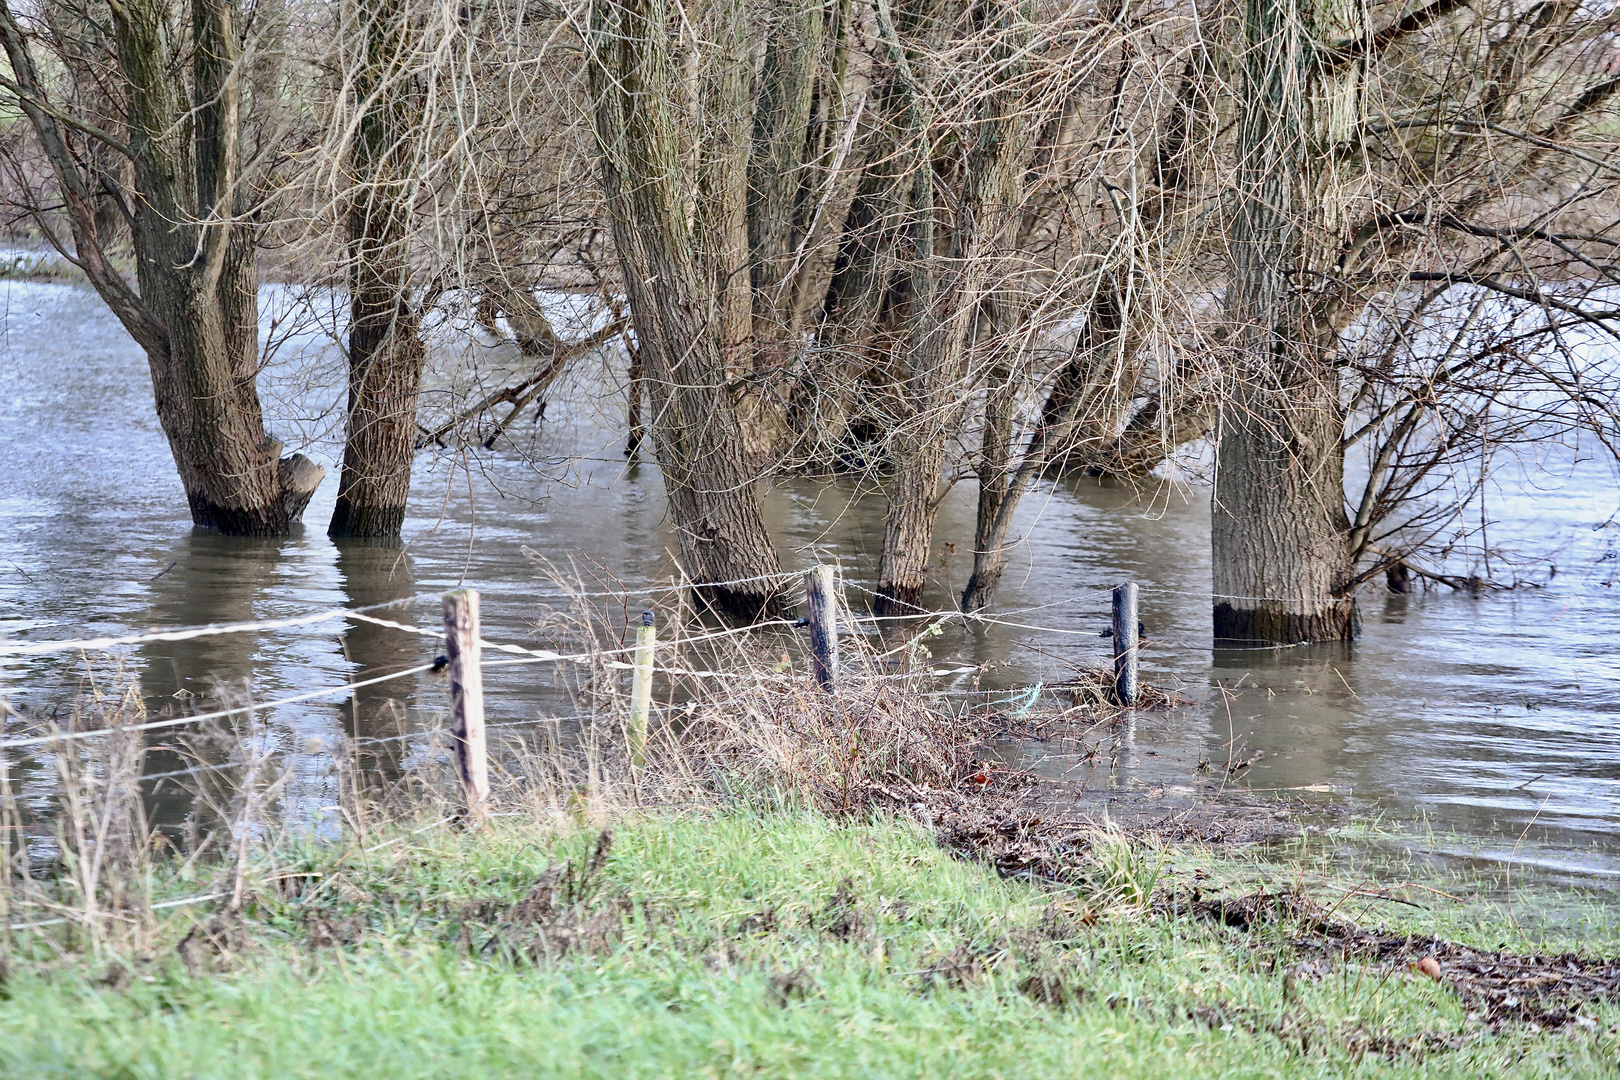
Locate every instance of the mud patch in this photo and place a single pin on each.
(1497, 987)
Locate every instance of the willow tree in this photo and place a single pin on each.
(1121, 397)
(385, 351)
(1282, 570)
(1388, 164)
(685, 275)
(958, 240)
(154, 122)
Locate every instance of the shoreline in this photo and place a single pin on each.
(978, 939)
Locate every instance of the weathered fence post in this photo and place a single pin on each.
(461, 635)
(1125, 644)
(821, 601)
(641, 686)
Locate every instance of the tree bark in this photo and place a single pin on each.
(946, 297)
(680, 334)
(1279, 533)
(777, 170)
(386, 353)
(194, 307)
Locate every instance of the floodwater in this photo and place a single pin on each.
(1490, 721)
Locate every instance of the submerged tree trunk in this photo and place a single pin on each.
(194, 309)
(947, 294)
(1072, 396)
(681, 326)
(386, 353)
(1279, 533)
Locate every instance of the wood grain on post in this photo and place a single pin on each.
(821, 600)
(1125, 644)
(641, 686)
(461, 634)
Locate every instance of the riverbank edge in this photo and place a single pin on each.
(1026, 949)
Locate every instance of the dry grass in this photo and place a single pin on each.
(737, 723)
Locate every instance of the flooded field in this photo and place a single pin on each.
(1492, 719)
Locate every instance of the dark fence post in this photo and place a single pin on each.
(821, 600)
(1125, 644)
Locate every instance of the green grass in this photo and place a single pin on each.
(741, 945)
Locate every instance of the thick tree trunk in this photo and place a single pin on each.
(386, 358)
(386, 353)
(1278, 528)
(908, 530)
(194, 310)
(939, 319)
(1279, 532)
(680, 334)
(195, 266)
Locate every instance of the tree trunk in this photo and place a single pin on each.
(1073, 396)
(386, 353)
(194, 310)
(1279, 532)
(995, 485)
(1082, 409)
(680, 337)
(777, 171)
(946, 298)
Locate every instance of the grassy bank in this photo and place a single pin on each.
(733, 944)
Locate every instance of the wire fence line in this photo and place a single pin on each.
(521, 655)
(362, 614)
(525, 656)
(218, 714)
(100, 644)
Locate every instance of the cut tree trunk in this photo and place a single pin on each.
(681, 325)
(1279, 533)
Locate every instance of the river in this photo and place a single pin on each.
(1489, 723)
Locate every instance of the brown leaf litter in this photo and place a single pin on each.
(1497, 987)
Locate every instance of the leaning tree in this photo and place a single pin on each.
(155, 123)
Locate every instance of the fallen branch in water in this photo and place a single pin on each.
(523, 393)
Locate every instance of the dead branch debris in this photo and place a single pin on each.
(1497, 987)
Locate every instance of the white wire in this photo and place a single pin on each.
(251, 707)
(41, 648)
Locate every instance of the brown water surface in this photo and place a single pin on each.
(1491, 720)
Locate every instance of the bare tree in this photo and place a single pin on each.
(1384, 160)
(385, 349)
(679, 271)
(160, 118)
(949, 288)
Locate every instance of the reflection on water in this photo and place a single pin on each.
(1485, 715)
(376, 717)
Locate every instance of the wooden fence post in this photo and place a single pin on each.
(461, 634)
(641, 687)
(1125, 644)
(821, 601)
